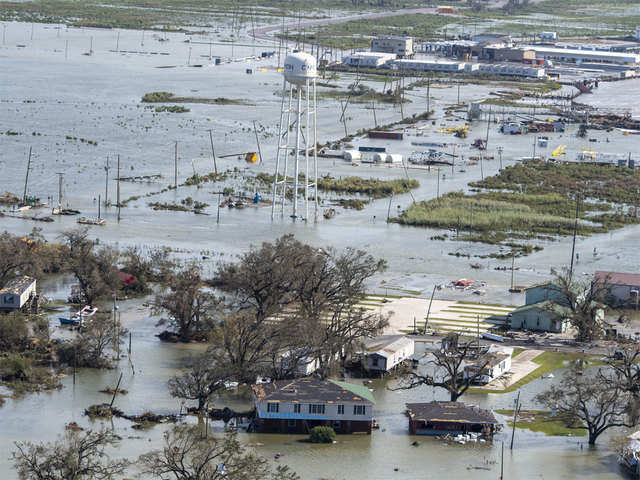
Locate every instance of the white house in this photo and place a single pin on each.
(429, 65)
(17, 293)
(386, 352)
(493, 364)
(296, 406)
(369, 59)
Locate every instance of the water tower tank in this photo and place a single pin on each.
(299, 67)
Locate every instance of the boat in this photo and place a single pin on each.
(92, 221)
(78, 318)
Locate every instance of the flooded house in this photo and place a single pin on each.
(384, 353)
(297, 406)
(546, 309)
(17, 293)
(621, 288)
(450, 418)
(490, 365)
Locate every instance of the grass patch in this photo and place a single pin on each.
(371, 187)
(541, 421)
(548, 361)
(516, 351)
(164, 97)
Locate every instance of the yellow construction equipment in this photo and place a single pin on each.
(251, 157)
(459, 131)
(561, 150)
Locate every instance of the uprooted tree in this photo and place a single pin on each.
(594, 399)
(75, 456)
(187, 455)
(445, 369)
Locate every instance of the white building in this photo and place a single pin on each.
(491, 365)
(398, 45)
(386, 352)
(369, 59)
(549, 36)
(637, 33)
(428, 65)
(296, 406)
(574, 55)
(17, 293)
(511, 70)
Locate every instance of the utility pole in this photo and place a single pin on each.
(516, 411)
(428, 94)
(60, 175)
(255, 130)
(175, 166)
(513, 261)
(26, 178)
(213, 153)
(500, 155)
(106, 183)
(458, 92)
(118, 188)
(535, 139)
(426, 320)
(575, 231)
(438, 186)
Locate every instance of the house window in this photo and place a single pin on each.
(340, 409)
(358, 409)
(336, 424)
(291, 423)
(316, 409)
(273, 407)
(374, 361)
(296, 408)
(8, 300)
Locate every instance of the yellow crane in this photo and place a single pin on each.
(561, 150)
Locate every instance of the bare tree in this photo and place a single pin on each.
(625, 365)
(74, 456)
(186, 455)
(446, 369)
(200, 382)
(190, 305)
(598, 404)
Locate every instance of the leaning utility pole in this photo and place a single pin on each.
(26, 178)
(516, 411)
(213, 153)
(255, 130)
(575, 232)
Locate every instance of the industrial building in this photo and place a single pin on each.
(369, 59)
(511, 70)
(398, 45)
(578, 56)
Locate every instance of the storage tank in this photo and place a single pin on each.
(351, 155)
(379, 157)
(393, 158)
(299, 67)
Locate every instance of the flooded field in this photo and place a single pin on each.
(53, 96)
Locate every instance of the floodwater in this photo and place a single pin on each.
(97, 98)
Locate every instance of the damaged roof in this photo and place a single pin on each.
(312, 390)
(454, 412)
(18, 285)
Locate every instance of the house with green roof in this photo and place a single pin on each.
(298, 405)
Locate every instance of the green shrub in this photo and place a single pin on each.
(322, 435)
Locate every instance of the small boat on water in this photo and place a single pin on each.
(92, 221)
(78, 318)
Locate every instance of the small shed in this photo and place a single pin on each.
(17, 293)
(453, 418)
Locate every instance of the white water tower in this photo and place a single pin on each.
(299, 86)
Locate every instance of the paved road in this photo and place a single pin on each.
(263, 32)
